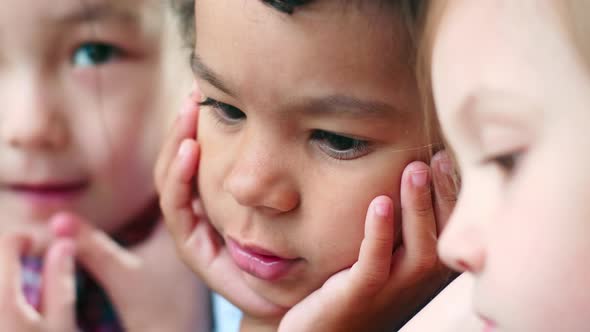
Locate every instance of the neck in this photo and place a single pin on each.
(138, 228)
(255, 324)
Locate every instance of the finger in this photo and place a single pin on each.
(12, 248)
(184, 127)
(98, 253)
(373, 267)
(59, 286)
(418, 222)
(445, 183)
(177, 197)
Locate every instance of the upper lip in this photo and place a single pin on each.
(260, 251)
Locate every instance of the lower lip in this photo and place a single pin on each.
(265, 267)
(48, 196)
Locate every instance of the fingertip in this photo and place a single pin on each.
(382, 206)
(64, 225)
(188, 158)
(189, 105)
(186, 148)
(417, 175)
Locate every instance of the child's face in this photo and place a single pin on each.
(513, 97)
(80, 113)
(324, 116)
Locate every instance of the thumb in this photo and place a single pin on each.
(59, 286)
(102, 257)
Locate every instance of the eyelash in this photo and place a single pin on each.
(225, 113)
(327, 141)
(507, 162)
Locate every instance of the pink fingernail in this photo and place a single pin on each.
(185, 149)
(188, 105)
(419, 178)
(382, 209)
(445, 165)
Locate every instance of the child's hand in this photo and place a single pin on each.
(57, 313)
(380, 285)
(198, 243)
(148, 285)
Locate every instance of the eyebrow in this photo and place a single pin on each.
(94, 11)
(201, 70)
(352, 107)
(493, 104)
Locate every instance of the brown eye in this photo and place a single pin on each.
(225, 112)
(339, 146)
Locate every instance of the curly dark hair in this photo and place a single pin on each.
(185, 9)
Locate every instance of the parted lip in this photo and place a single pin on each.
(258, 251)
(49, 187)
(259, 262)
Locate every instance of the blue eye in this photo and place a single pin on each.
(94, 54)
(339, 146)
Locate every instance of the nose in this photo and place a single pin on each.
(261, 179)
(30, 118)
(462, 245)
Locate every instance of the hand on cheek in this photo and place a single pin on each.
(198, 243)
(56, 313)
(138, 280)
(382, 290)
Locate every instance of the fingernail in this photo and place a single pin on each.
(188, 105)
(382, 209)
(445, 165)
(419, 178)
(185, 149)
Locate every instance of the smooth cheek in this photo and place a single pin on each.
(119, 142)
(539, 254)
(337, 204)
(214, 159)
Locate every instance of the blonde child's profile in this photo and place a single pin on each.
(517, 116)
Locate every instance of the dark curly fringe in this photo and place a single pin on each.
(286, 6)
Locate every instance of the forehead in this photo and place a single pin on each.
(324, 40)
(520, 47)
(69, 12)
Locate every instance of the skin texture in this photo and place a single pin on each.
(264, 180)
(67, 116)
(517, 118)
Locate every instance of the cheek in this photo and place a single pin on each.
(537, 257)
(215, 158)
(336, 210)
